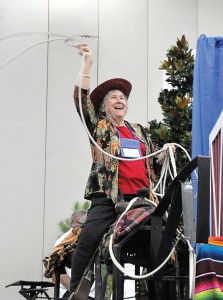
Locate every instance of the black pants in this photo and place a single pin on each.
(100, 216)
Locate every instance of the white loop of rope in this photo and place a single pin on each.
(192, 258)
(28, 48)
(94, 142)
(48, 33)
(170, 172)
(27, 33)
(162, 180)
(124, 271)
(165, 169)
(71, 40)
(165, 166)
(90, 136)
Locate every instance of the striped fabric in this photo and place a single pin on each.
(130, 220)
(209, 273)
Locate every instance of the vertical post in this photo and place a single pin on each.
(117, 276)
(203, 197)
(216, 178)
(57, 285)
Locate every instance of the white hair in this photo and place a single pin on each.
(102, 106)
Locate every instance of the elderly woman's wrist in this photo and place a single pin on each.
(84, 75)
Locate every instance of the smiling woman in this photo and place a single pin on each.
(104, 111)
(44, 153)
(114, 106)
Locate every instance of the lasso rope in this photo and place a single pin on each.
(192, 256)
(124, 271)
(165, 167)
(164, 170)
(72, 40)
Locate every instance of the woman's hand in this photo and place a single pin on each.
(166, 152)
(85, 50)
(166, 148)
(84, 74)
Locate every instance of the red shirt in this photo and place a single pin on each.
(133, 175)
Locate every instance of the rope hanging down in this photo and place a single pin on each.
(74, 40)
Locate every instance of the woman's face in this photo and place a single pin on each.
(115, 105)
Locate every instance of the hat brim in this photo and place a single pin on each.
(97, 95)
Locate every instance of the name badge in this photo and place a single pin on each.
(130, 148)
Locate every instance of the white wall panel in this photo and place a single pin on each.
(210, 21)
(123, 50)
(68, 151)
(22, 134)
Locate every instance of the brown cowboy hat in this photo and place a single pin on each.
(101, 90)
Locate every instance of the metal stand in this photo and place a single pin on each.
(32, 290)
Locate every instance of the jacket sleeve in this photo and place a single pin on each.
(87, 108)
(156, 166)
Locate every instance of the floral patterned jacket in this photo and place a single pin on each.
(103, 176)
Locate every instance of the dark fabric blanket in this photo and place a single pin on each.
(130, 220)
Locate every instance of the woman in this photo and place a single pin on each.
(104, 111)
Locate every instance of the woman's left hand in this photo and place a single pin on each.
(165, 152)
(166, 148)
